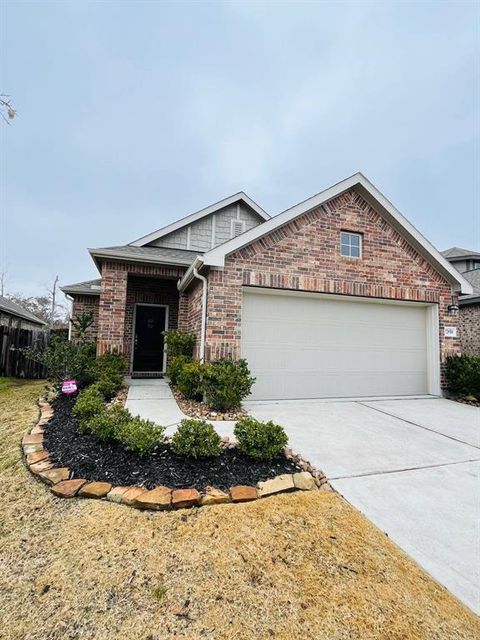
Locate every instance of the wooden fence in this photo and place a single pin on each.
(16, 335)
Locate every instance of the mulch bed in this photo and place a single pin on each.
(93, 459)
(196, 409)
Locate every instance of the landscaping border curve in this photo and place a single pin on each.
(160, 498)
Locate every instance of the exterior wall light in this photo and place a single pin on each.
(453, 308)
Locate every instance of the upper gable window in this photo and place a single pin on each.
(350, 244)
(237, 228)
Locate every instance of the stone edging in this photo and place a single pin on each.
(62, 485)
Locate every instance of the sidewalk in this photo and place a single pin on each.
(152, 399)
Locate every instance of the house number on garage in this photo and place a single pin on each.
(450, 332)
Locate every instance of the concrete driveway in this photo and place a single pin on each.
(412, 466)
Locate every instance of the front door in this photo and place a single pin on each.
(148, 355)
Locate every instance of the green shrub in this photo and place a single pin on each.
(179, 343)
(190, 379)
(109, 386)
(260, 440)
(64, 359)
(175, 368)
(109, 366)
(138, 435)
(462, 374)
(226, 383)
(196, 439)
(88, 404)
(106, 425)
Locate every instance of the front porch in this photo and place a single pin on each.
(138, 303)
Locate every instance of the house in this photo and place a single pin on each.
(337, 296)
(467, 262)
(19, 328)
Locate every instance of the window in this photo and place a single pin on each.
(237, 228)
(350, 244)
(476, 264)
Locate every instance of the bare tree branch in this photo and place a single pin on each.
(7, 111)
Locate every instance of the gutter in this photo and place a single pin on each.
(204, 313)
(189, 274)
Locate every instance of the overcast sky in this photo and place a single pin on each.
(131, 114)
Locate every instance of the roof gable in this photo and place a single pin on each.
(216, 257)
(193, 217)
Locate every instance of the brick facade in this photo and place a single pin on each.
(149, 291)
(156, 284)
(87, 304)
(304, 255)
(469, 320)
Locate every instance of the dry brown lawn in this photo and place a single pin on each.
(300, 566)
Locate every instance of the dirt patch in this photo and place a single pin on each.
(195, 409)
(305, 566)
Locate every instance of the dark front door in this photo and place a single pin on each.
(150, 322)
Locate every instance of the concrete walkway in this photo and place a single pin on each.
(153, 400)
(411, 465)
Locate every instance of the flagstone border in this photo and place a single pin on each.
(63, 485)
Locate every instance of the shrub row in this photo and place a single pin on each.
(115, 422)
(193, 438)
(224, 383)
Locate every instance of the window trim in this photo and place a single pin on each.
(349, 244)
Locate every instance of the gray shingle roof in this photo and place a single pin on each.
(473, 277)
(88, 287)
(162, 255)
(457, 252)
(15, 309)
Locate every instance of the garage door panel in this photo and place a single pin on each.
(307, 347)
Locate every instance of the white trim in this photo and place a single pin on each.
(216, 257)
(432, 322)
(189, 236)
(179, 224)
(134, 322)
(214, 220)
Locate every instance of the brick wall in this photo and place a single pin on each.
(305, 255)
(87, 304)
(112, 331)
(469, 318)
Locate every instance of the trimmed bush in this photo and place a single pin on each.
(175, 367)
(190, 380)
(226, 383)
(196, 439)
(88, 404)
(138, 435)
(260, 440)
(179, 343)
(109, 386)
(462, 374)
(106, 424)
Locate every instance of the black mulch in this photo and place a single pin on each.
(92, 459)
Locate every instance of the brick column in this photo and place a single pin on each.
(111, 316)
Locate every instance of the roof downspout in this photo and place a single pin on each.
(204, 313)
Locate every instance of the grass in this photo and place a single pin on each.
(303, 566)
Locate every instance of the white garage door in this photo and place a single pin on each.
(320, 347)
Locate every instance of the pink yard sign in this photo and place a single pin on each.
(69, 386)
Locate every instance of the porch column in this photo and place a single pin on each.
(111, 316)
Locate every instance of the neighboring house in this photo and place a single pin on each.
(468, 264)
(338, 296)
(19, 329)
